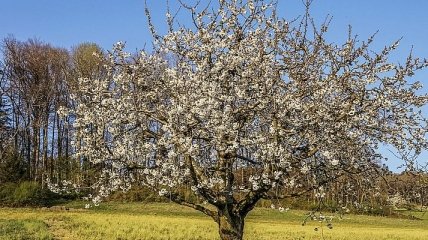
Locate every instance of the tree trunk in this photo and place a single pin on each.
(45, 148)
(59, 164)
(36, 151)
(231, 226)
(51, 163)
(30, 161)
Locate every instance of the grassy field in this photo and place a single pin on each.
(169, 221)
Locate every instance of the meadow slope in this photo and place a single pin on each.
(173, 222)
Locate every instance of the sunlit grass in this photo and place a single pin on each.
(19, 229)
(169, 221)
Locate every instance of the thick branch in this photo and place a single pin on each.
(178, 199)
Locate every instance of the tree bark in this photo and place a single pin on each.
(51, 163)
(45, 146)
(59, 165)
(231, 225)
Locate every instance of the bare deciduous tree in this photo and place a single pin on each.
(35, 72)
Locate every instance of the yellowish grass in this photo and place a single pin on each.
(168, 221)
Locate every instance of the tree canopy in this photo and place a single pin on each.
(242, 104)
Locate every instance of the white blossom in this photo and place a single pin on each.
(223, 108)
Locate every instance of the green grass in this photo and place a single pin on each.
(170, 221)
(21, 229)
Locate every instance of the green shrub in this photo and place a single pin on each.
(6, 192)
(25, 194)
(136, 194)
(12, 167)
(144, 194)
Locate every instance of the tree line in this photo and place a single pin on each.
(36, 80)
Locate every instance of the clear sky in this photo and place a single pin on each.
(66, 23)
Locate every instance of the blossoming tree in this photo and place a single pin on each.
(241, 104)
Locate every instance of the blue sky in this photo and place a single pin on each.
(68, 23)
